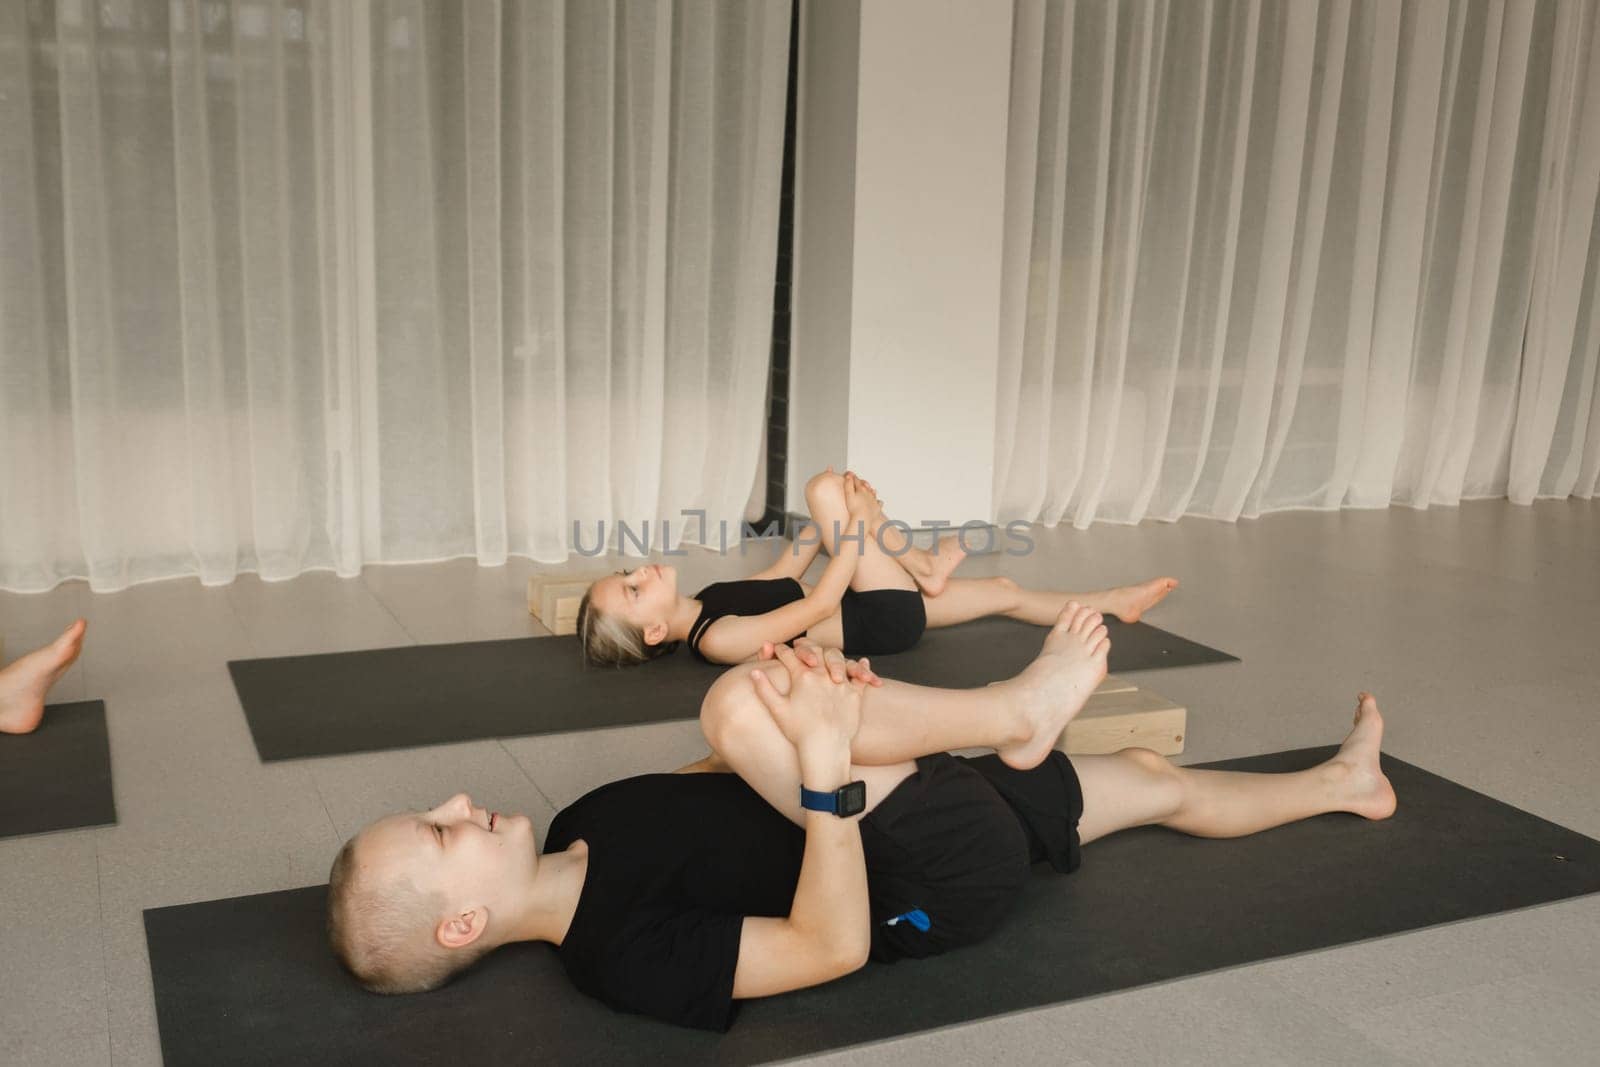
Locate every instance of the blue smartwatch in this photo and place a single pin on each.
(847, 800)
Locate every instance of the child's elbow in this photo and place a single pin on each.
(823, 608)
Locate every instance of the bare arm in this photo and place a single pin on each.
(827, 932)
(737, 638)
(795, 559)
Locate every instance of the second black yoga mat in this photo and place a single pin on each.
(250, 980)
(414, 695)
(59, 776)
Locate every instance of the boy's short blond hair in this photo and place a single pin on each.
(381, 927)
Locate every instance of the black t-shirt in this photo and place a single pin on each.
(676, 861)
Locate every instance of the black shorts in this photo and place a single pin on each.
(949, 850)
(880, 622)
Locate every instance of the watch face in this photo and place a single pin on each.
(852, 799)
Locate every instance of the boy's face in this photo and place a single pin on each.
(472, 857)
(643, 595)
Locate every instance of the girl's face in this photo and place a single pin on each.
(642, 596)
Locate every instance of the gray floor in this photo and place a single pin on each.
(1476, 627)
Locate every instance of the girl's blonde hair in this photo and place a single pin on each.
(610, 641)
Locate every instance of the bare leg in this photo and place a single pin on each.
(965, 599)
(1021, 718)
(1136, 787)
(710, 763)
(877, 568)
(930, 570)
(23, 684)
(745, 740)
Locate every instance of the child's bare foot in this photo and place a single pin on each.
(23, 684)
(942, 562)
(1362, 786)
(1129, 602)
(1054, 687)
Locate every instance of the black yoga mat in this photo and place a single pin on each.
(250, 980)
(977, 653)
(342, 702)
(59, 776)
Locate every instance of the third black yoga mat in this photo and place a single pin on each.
(250, 980)
(59, 776)
(342, 702)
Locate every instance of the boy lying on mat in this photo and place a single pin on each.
(845, 834)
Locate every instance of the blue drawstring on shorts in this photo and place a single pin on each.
(916, 917)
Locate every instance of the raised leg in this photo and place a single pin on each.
(1020, 718)
(1136, 787)
(930, 570)
(965, 599)
(24, 684)
(877, 568)
(745, 740)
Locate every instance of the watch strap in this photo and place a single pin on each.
(848, 800)
(818, 800)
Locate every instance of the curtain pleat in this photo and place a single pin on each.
(91, 368)
(301, 284)
(38, 446)
(1560, 275)
(1308, 254)
(485, 282)
(1307, 250)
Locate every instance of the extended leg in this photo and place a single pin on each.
(965, 599)
(1021, 718)
(1136, 787)
(23, 684)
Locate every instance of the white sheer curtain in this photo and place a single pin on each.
(1299, 254)
(293, 284)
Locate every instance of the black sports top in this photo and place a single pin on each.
(660, 918)
(752, 596)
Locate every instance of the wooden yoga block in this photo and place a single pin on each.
(1131, 718)
(1114, 684)
(553, 599)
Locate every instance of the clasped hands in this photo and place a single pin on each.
(822, 709)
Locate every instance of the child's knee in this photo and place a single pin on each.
(1009, 592)
(825, 487)
(1149, 762)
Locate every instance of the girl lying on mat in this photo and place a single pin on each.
(876, 596)
(24, 684)
(845, 834)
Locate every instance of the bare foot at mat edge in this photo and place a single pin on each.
(25, 683)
